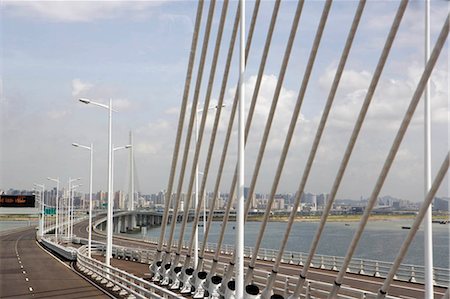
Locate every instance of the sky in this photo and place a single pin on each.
(136, 53)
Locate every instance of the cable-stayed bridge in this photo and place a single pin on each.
(169, 266)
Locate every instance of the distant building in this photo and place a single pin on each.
(119, 200)
(321, 200)
(441, 204)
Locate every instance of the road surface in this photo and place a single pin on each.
(28, 271)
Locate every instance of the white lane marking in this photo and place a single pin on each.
(26, 279)
(31, 289)
(24, 272)
(21, 267)
(20, 262)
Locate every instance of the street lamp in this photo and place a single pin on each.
(117, 149)
(112, 178)
(109, 222)
(57, 207)
(91, 149)
(41, 224)
(196, 188)
(70, 207)
(72, 188)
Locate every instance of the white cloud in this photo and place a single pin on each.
(176, 20)
(172, 111)
(148, 148)
(77, 11)
(351, 81)
(79, 87)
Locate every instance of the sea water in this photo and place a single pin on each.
(381, 240)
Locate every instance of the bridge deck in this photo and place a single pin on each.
(27, 270)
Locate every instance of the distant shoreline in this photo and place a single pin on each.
(19, 217)
(339, 218)
(275, 218)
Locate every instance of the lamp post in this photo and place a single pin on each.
(116, 149)
(196, 190)
(109, 221)
(57, 207)
(91, 149)
(240, 217)
(428, 227)
(70, 207)
(112, 174)
(131, 199)
(41, 224)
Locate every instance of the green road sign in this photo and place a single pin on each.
(50, 211)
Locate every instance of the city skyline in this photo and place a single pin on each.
(283, 201)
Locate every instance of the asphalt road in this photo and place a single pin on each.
(398, 288)
(28, 271)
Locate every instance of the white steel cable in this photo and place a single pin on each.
(353, 138)
(229, 131)
(391, 155)
(414, 228)
(212, 74)
(267, 128)
(179, 129)
(191, 124)
(290, 133)
(253, 102)
(213, 135)
(315, 144)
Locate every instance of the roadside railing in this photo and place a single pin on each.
(286, 284)
(121, 282)
(406, 272)
(69, 253)
(314, 289)
(367, 267)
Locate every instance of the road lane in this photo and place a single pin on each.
(28, 271)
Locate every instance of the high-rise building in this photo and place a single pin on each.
(441, 204)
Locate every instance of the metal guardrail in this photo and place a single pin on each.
(313, 288)
(406, 272)
(367, 267)
(120, 281)
(68, 253)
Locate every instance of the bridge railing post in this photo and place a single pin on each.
(334, 267)
(272, 255)
(412, 277)
(361, 268)
(322, 266)
(377, 270)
